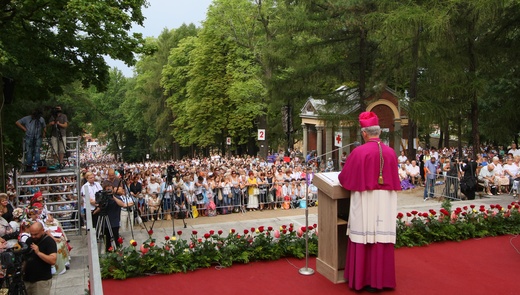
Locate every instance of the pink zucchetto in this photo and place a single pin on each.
(368, 119)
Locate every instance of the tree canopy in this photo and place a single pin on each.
(195, 87)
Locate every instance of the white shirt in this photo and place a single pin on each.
(90, 190)
(402, 159)
(515, 152)
(512, 168)
(414, 170)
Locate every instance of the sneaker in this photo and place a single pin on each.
(425, 199)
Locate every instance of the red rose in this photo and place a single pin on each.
(220, 232)
(194, 232)
(206, 236)
(310, 227)
(284, 231)
(425, 215)
(400, 215)
(192, 246)
(246, 231)
(492, 206)
(150, 232)
(232, 230)
(472, 206)
(408, 214)
(110, 249)
(199, 240)
(120, 240)
(211, 232)
(252, 229)
(414, 212)
(315, 225)
(499, 207)
(166, 238)
(464, 213)
(134, 243)
(152, 244)
(238, 236)
(291, 229)
(482, 209)
(179, 232)
(269, 228)
(465, 208)
(303, 229)
(261, 229)
(284, 226)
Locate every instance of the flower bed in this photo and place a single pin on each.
(422, 228)
(173, 254)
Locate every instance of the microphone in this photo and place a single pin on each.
(355, 143)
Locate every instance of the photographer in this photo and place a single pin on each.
(109, 204)
(34, 128)
(38, 262)
(167, 189)
(59, 123)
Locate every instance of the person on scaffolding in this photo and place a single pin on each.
(34, 128)
(58, 123)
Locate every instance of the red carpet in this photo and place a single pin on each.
(485, 266)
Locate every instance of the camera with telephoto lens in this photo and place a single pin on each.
(11, 259)
(102, 198)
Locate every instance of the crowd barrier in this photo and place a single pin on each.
(215, 202)
(444, 186)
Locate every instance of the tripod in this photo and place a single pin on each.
(172, 205)
(101, 230)
(129, 209)
(14, 280)
(60, 150)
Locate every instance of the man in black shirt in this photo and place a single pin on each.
(38, 263)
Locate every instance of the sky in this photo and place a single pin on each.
(168, 14)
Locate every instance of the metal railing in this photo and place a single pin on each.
(443, 186)
(58, 186)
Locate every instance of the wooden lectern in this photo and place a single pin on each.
(333, 210)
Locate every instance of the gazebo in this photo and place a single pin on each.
(320, 131)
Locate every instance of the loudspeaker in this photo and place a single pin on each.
(8, 90)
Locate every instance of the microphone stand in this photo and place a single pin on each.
(306, 270)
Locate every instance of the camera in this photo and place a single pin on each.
(170, 173)
(55, 111)
(11, 259)
(102, 198)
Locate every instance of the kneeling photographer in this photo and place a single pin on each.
(109, 208)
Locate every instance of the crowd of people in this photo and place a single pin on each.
(207, 187)
(495, 170)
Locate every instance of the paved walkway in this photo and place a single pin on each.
(75, 280)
